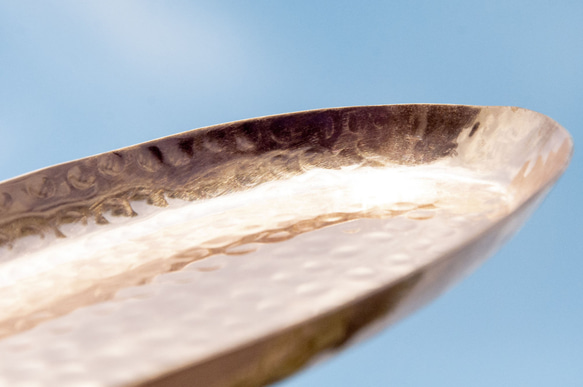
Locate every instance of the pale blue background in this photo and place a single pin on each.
(83, 77)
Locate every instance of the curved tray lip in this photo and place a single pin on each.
(549, 181)
(317, 110)
(546, 185)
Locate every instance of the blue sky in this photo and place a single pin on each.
(84, 77)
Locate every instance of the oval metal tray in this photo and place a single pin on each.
(238, 253)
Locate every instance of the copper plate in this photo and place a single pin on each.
(238, 253)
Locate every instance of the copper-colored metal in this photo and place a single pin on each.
(236, 254)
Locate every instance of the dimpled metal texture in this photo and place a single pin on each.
(236, 254)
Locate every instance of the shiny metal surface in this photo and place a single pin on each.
(238, 253)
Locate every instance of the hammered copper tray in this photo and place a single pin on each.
(235, 254)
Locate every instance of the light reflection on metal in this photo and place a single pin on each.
(238, 253)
